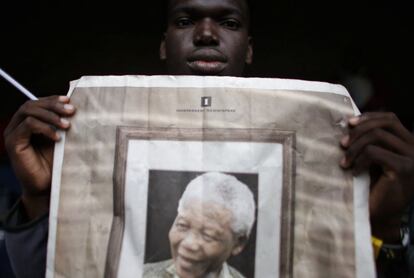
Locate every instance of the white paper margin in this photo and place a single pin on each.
(55, 196)
(365, 265)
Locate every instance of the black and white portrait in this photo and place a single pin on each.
(200, 207)
(208, 230)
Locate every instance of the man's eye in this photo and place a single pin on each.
(231, 24)
(181, 226)
(208, 238)
(183, 22)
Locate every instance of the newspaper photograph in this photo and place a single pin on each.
(166, 176)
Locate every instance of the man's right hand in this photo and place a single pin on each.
(29, 139)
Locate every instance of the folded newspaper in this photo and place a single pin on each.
(163, 176)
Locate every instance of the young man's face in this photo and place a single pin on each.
(207, 37)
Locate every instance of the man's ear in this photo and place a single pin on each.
(249, 54)
(163, 50)
(239, 246)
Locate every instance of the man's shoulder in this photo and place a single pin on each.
(158, 269)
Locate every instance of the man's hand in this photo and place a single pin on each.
(29, 140)
(378, 142)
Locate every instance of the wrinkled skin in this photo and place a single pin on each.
(201, 239)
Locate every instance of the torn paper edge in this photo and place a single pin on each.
(166, 81)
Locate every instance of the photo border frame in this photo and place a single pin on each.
(127, 133)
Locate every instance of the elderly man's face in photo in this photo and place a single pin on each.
(207, 37)
(202, 240)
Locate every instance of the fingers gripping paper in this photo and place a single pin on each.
(195, 176)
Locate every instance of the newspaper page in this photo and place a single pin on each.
(166, 176)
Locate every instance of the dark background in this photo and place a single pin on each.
(166, 188)
(45, 44)
(365, 46)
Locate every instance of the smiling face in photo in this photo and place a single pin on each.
(201, 239)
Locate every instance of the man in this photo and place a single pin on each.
(205, 38)
(215, 216)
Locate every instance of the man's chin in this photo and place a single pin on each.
(188, 269)
(207, 67)
(187, 273)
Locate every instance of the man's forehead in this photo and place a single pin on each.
(205, 207)
(238, 6)
(196, 211)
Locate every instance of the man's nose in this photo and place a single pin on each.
(191, 242)
(205, 33)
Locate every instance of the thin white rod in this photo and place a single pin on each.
(17, 85)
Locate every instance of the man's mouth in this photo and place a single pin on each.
(187, 263)
(207, 67)
(207, 62)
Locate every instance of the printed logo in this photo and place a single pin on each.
(206, 102)
(206, 107)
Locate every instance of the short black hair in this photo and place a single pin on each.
(248, 3)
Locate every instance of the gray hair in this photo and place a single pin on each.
(227, 191)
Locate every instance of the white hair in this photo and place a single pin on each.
(226, 191)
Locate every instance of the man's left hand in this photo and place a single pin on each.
(379, 143)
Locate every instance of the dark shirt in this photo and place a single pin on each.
(26, 243)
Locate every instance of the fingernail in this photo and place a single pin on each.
(354, 120)
(64, 122)
(68, 107)
(57, 136)
(63, 98)
(345, 141)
